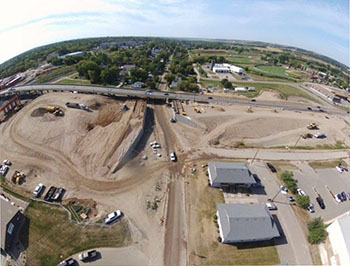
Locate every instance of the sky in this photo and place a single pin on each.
(321, 26)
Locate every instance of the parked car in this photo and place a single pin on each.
(88, 255)
(166, 94)
(39, 189)
(112, 217)
(343, 196)
(271, 206)
(320, 202)
(67, 262)
(210, 97)
(7, 162)
(271, 167)
(311, 208)
(338, 198)
(253, 100)
(58, 195)
(50, 193)
(309, 108)
(284, 190)
(291, 199)
(301, 192)
(172, 156)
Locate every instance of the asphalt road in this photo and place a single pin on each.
(164, 95)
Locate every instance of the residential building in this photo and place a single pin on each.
(240, 223)
(339, 237)
(138, 85)
(173, 84)
(226, 174)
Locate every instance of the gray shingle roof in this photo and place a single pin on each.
(8, 211)
(246, 222)
(230, 173)
(344, 224)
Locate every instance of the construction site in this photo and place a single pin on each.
(114, 151)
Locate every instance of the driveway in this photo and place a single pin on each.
(117, 256)
(293, 248)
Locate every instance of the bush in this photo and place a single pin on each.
(303, 201)
(317, 231)
(291, 183)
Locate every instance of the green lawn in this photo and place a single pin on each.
(326, 164)
(238, 60)
(50, 236)
(273, 69)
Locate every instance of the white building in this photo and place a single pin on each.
(227, 68)
(339, 237)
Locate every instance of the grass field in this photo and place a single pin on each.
(52, 75)
(73, 81)
(50, 236)
(326, 164)
(204, 248)
(273, 69)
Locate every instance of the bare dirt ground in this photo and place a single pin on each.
(78, 151)
(225, 126)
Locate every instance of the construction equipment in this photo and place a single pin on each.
(306, 136)
(183, 112)
(197, 110)
(18, 177)
(312, 126)
(54, 110)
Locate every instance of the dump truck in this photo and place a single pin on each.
(312, 126)
(18, 177)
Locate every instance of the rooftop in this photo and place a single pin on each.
(230, 173)
(8, 211)
(246, 222)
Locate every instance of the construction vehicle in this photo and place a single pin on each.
(197, 110)
(54, 110)
(18, 177)
(306, 136)
(183, 112)
(312, 126)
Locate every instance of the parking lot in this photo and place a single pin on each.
(320, 179)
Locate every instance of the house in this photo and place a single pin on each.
(125, 69)
(138, 85)
(339, 237)
(239, 223)
(173, 84)
(11, 222)
(227, 174)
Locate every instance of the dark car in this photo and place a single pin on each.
(57, 196)
(271, 167)
(210, 97)
(166, 94)
(320, 202)
(67, 262)
(50, 193)
(253, 100)
(309, 108)
(343, 196)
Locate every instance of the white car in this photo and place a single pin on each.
(271, 206)
(301, 192)
(38, 190)
(340, 168)
(172, 156)
(284, 190)
(112, 217)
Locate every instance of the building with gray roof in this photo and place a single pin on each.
(229, 174)
(240, 223)
(11, 222)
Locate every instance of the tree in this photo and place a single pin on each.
(303, 201)
(291, 183)
(110, 75)
(84, 66)
(317, 231)
(226, 84)
(169, 78)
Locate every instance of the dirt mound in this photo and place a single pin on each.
(108, 114)
(39, 112)
(220, 109)
(95, 104)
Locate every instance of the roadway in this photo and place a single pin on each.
(164, 95)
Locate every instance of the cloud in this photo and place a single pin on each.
(296, 22)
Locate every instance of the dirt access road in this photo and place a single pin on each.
(175, 235)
